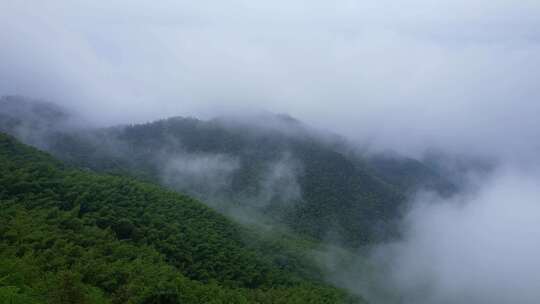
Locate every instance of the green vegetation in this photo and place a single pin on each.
(323, 191)
(110, 238)
(338, 195)
(409, 175)
(73, 236)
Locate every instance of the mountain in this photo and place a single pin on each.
(270, 169)
(410, 175)
(73, 236)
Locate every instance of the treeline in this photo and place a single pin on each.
(72, 236)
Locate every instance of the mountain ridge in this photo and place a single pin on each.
(286, 173)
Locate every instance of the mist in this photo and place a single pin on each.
(474, 248)
(204, 175)
(279, 183)
(454, 76)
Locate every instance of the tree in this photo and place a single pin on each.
(68, 289)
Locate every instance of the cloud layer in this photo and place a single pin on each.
(476, 249)
(460, 75)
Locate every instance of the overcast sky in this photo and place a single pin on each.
(461, 75)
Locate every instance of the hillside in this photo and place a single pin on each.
(269, 168)
(72, 236)
(410, 175)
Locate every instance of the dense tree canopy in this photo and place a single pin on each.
(276, 167)
(72, 236)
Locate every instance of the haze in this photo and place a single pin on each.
(456, 76)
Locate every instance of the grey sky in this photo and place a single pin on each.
(461, 75)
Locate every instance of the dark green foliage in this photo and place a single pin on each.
(410, 175)
(336, 196)
(341, 197)
(69, 236)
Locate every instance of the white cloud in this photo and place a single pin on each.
(476, 249)
(406, 75)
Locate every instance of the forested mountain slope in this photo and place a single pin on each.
(69, 236)
(272, 168)
(410, 175)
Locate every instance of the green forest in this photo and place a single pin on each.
(340, 192)
(72, 236)
(94, 215)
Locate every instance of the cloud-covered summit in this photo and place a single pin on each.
(461, 75)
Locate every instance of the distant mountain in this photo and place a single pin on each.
(72, 236)
(410, 175)
(270, 168)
